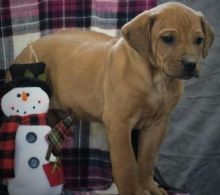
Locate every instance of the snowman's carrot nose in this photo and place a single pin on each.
(24, 96)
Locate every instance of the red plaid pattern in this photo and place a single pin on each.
(7, 140)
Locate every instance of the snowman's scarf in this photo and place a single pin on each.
(7, 140)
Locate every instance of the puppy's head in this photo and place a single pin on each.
(173, 37)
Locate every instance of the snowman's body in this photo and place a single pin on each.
(30, 143)
(30, 153)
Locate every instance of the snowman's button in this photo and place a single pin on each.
(31, 137)
(33, 162)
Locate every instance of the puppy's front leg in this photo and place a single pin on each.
(149, 143)
(123, 160)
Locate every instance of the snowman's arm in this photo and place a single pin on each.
(59, 133)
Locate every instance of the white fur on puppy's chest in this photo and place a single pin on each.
(30, 177)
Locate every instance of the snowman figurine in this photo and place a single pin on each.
(23, 147)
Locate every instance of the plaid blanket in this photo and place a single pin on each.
(85, 159)
(85, 156)
(26, 20)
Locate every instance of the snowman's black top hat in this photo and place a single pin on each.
(20, 80)
(25, 82)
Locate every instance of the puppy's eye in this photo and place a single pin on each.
(199, 40)
(168, 39)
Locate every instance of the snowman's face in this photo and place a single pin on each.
(24, 101)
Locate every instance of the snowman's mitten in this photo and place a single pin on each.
(57, 136)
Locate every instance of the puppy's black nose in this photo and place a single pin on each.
(189, 66)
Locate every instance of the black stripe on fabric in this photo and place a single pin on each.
(42, 6)
(1, 117)
(74, 152)
(34, 120)
(6, 136)
(87, 156)
(5, 20)
(84, 11)
(87, 12)
(121, 14)
(3, 189)
(84, 137)
(2, 77)
(2, 81)
(6, 154)
(84, 164)
(132, 10)
(84, 154)
(8, 172)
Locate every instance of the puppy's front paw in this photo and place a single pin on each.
(145, 192)
(154, 189)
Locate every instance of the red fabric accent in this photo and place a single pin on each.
(55, 177)
(26, 119)
(9, 127)
(7, 163)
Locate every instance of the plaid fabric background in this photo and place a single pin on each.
(86, 160)
(26, 20)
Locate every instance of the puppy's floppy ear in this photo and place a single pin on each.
(209, 36)
(137, 32)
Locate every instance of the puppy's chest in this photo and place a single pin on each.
(158, 104)
(161, 99)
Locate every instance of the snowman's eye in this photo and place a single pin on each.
(27, 94)
(18, 95)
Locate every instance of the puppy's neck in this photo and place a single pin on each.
(163, 82)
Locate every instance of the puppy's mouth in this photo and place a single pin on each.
(183, 74)
(188, 75)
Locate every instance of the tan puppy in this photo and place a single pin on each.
(128, 82)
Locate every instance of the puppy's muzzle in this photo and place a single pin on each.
(189, 68)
